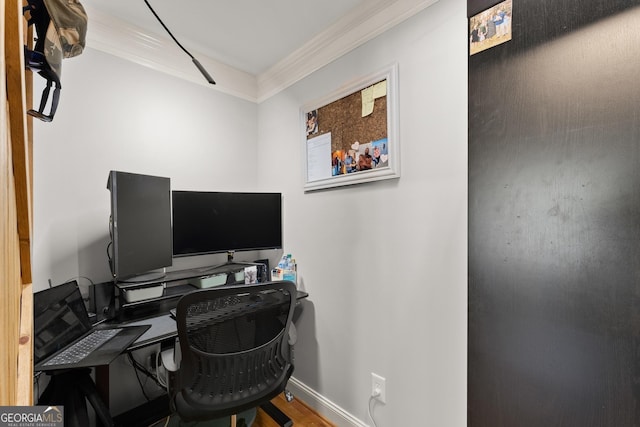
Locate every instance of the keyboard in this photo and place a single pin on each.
(83, 348)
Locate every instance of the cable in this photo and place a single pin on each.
(194, 60)
(76, 278)
(135, 369)
(139, 367)
(167, 29)
(110, 260)
(165, 422)
(81, 277)
(371, 400)
(109, 245)
(86, 297)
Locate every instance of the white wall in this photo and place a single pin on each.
(385, 262)
(117, 115)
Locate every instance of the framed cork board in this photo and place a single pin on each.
(350, 136)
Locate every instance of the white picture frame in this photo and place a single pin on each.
(329, 160)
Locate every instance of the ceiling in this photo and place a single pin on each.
(250, 35)
(252, 48)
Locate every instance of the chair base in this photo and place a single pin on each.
(276, 414)
(245, 419)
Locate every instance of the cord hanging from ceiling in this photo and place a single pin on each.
(193, 59)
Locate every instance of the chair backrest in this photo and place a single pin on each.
(235, 349)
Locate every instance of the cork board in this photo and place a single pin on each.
(350, 136)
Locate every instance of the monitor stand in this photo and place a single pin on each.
(225, 266)
(152, 276)
(230, 260)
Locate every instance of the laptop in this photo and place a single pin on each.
(64, 337)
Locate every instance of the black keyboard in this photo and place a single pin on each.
(83, 348)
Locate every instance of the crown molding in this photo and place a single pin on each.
(160, 53)
(350, 32)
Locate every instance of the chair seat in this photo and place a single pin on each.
(191, 413)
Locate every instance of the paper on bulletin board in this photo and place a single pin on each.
(319, 157)
(370, 94)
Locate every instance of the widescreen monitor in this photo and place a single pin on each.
(206, 222)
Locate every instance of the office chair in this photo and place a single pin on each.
(234, 350)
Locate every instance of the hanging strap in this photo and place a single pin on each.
(43, 101)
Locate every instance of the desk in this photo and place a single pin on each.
(163, 330)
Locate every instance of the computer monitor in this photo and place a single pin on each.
(206, 222)
(140, 226)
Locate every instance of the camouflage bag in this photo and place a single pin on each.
(61, 29)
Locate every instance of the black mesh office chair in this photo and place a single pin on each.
(235, 349)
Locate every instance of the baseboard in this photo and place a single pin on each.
(322, 405)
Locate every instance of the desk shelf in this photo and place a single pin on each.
(174, 284)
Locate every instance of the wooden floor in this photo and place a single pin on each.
(298, 411)
(301, 415)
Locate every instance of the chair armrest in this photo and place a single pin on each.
(293, 334)
(171, 358)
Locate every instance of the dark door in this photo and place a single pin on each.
(554, 218)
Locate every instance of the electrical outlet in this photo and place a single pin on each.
(378, 387)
